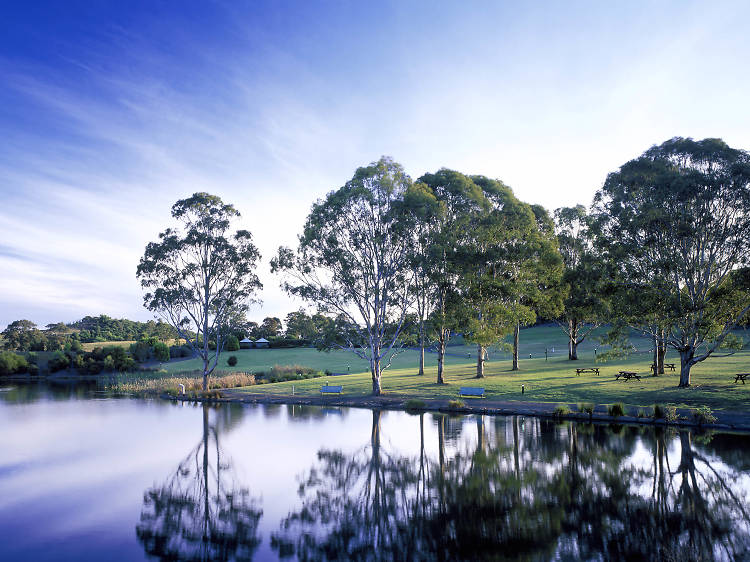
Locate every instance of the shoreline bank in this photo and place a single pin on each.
(725, 421)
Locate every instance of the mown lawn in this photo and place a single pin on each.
(256, 360)
(554, 381)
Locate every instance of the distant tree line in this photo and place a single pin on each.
(25, 335)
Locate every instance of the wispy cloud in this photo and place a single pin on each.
(108, 121)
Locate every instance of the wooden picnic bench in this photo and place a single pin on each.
(587, 370)
(669, 366)
(331, 389)
(471, 392)
(627, 375)
(741, 377)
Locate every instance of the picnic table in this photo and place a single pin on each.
(669, 366)
(471, 392)
(741, 377)
(331, 389)
(587, 370)
(627, 375)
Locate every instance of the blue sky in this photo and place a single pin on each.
(111, 111)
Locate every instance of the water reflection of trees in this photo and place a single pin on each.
(529, 490)
(201, 512)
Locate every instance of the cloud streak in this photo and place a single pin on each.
(109, 118)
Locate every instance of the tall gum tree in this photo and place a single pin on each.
(677, 220)
(459, 200)
(200, 273)
(352, 260)
(501, 261)
(585, 304)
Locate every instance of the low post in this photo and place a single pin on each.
(182, 388)
(523, 388)
(292, 390)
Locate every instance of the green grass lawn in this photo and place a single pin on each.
(256, 360)
(553, 380)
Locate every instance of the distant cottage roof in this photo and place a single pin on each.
(261, 340)
(246, 341)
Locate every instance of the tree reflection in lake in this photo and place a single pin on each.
(534, 490)
(201, 512)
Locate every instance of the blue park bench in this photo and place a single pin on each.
(331, 389)
(471, 391)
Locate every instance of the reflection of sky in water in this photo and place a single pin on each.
(73, 472)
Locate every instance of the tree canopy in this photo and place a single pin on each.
(676, 221)
(199, 273)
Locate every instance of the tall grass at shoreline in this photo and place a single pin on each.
(154, 383)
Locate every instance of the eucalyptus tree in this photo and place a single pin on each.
(513, 262)
(353, 260)
(676, 220)
(199, 273)
(459, 202)
(539, 274)
(426, 214)
(585, 305)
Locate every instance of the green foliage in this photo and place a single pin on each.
(232, 360)
(161, 352)
(58, 362)
(617, 409)
(178, 351)
(703, 415)
(415, 404)
(141, 351)
(675, 226)
(456, 404)
(12, 363)
(586, 408)
(103, 328)
(561, 410)
(232, 344)
(200, 269)
(670, 414)
(352, 258)
(659, 412)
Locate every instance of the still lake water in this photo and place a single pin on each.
(86, 477)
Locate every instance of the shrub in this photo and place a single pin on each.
(658, 412)
(141, 351)
(586, 408)
(456, 404)
(161, 352)
(415, 404)
(232, 361)
(11, 363)
(232, 344)
(561, 410)
(617, 409)
(704, 415)
(642, 413)
(58, 362)
(670, 414)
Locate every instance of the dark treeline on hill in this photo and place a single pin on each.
(25, 335)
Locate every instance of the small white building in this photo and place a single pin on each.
(262, 342)
(246, 343)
